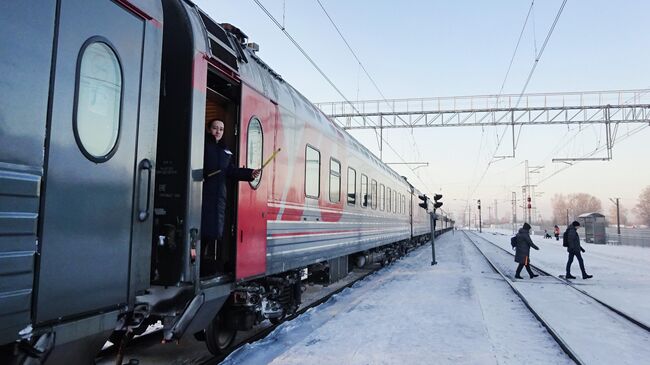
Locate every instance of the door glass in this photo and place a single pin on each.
(255, 148)
(99, 94)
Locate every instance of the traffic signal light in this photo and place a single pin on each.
(437, 204)
(424, 204)
(479, 204)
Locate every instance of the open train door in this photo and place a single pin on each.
(95, 182)
(257, 131)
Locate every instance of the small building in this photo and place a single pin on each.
(594, 225)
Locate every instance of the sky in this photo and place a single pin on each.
(415, 49)
(469, 315)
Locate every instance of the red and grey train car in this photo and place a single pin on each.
(103, 106)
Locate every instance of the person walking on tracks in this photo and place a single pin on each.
(572, 244)
(524, 243)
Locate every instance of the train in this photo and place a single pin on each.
(103, 108)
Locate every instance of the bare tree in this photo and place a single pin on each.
(559, 209)
(575, 204)
(642, 209)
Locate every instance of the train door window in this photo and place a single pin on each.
(335, 181)
(373, 194)
(98, 101)
(255, 148)
(312, 172)
(382, 196)
(388, 197)
(403, 204)
(364, 190)
(352, 186)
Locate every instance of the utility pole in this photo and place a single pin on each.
(480, 229)
(618, 216)
(528, 190)
(489, 216)
(514, 211)
(496, 215)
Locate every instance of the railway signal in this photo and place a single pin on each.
(424, 204)
(436, 203)
(480, 228)
(433, 216)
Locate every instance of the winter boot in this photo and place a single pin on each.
(587, 276)
(533, 276)
(569, 276)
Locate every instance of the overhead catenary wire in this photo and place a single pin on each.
(306, 55)
(361, 65)
(523, 90)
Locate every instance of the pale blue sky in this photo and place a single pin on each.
(436, 48)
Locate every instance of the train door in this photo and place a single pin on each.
(88, 206)
(258, 120)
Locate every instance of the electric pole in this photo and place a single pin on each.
(618, 215)
(480, 229)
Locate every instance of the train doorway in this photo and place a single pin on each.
(222, 104)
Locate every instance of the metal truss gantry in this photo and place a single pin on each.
(612, 107)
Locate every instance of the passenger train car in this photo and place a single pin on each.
(103, 107)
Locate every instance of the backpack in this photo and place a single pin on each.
(513, 241)
(565, 239)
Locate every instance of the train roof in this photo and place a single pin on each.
(229, 45)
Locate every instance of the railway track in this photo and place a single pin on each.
(573, 344)
(561, 342)
(619, 312)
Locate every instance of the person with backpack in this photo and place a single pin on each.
(524, 243)
(571, 241)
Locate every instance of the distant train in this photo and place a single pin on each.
(103, 106)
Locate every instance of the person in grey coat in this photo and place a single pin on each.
(524, 243)
(574, 248)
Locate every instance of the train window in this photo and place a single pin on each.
(382, 196)
(373, 194)
(335, 181)
(255, 145)
(401, 209)
(352, 186)
(312, 172)
(388, 198)
(364, 190)
(98, 101)
(395, 201)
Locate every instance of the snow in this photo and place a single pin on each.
(621, 275)
(458, 311)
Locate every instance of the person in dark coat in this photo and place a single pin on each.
(574, 248)
(524, 243)
(556, 231)
(217, 168)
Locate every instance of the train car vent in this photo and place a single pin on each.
(220, 45)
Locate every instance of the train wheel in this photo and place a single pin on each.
(279, 320)
(217, 337)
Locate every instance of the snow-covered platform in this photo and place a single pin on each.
(458, 311)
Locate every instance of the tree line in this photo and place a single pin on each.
(569, 207)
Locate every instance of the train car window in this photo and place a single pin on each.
(335, 181)
(373, 194)
(382, 196)
(352, 186)
(388, 197)
(364, 190)
(312, 172)
(255, 148)
(395, 201)
(401, 205)
(98, 100)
